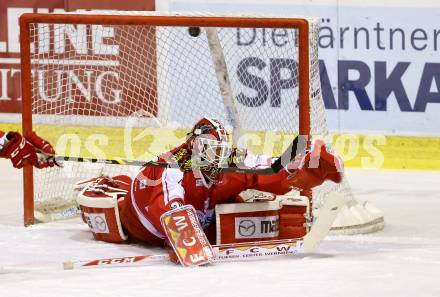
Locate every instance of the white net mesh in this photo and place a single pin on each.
(133, 91)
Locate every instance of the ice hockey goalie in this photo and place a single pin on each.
(121, 208)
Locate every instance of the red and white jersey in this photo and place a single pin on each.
(2, 139)
(157, 190)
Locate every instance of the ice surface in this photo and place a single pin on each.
(401, 260)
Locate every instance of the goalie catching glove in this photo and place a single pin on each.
(23, 151)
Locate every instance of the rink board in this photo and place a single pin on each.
(366, 151)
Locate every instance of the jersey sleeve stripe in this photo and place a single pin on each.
(171, 185)
(166, 194)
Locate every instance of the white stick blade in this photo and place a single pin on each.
(324, 221)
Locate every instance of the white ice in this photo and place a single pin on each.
(402, 260)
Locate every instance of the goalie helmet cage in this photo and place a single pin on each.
(92, 80)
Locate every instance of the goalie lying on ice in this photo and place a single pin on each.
(120, 208)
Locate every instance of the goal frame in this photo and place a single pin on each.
(300, 24)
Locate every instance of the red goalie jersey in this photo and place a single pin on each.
(154, 191)
(157, 190)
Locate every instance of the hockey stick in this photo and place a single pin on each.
(222, 253)
(324, 221)
(221, 71)
(240, 251)
(298, 146)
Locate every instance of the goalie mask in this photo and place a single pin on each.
(210, 149)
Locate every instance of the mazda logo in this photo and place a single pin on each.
(246, 228)
(100, 224)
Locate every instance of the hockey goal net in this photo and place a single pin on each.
(129, 85)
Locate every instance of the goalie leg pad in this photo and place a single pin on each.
(282, 218)
(294, 217)
(98, 202)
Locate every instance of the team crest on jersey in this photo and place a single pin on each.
(199, 183)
